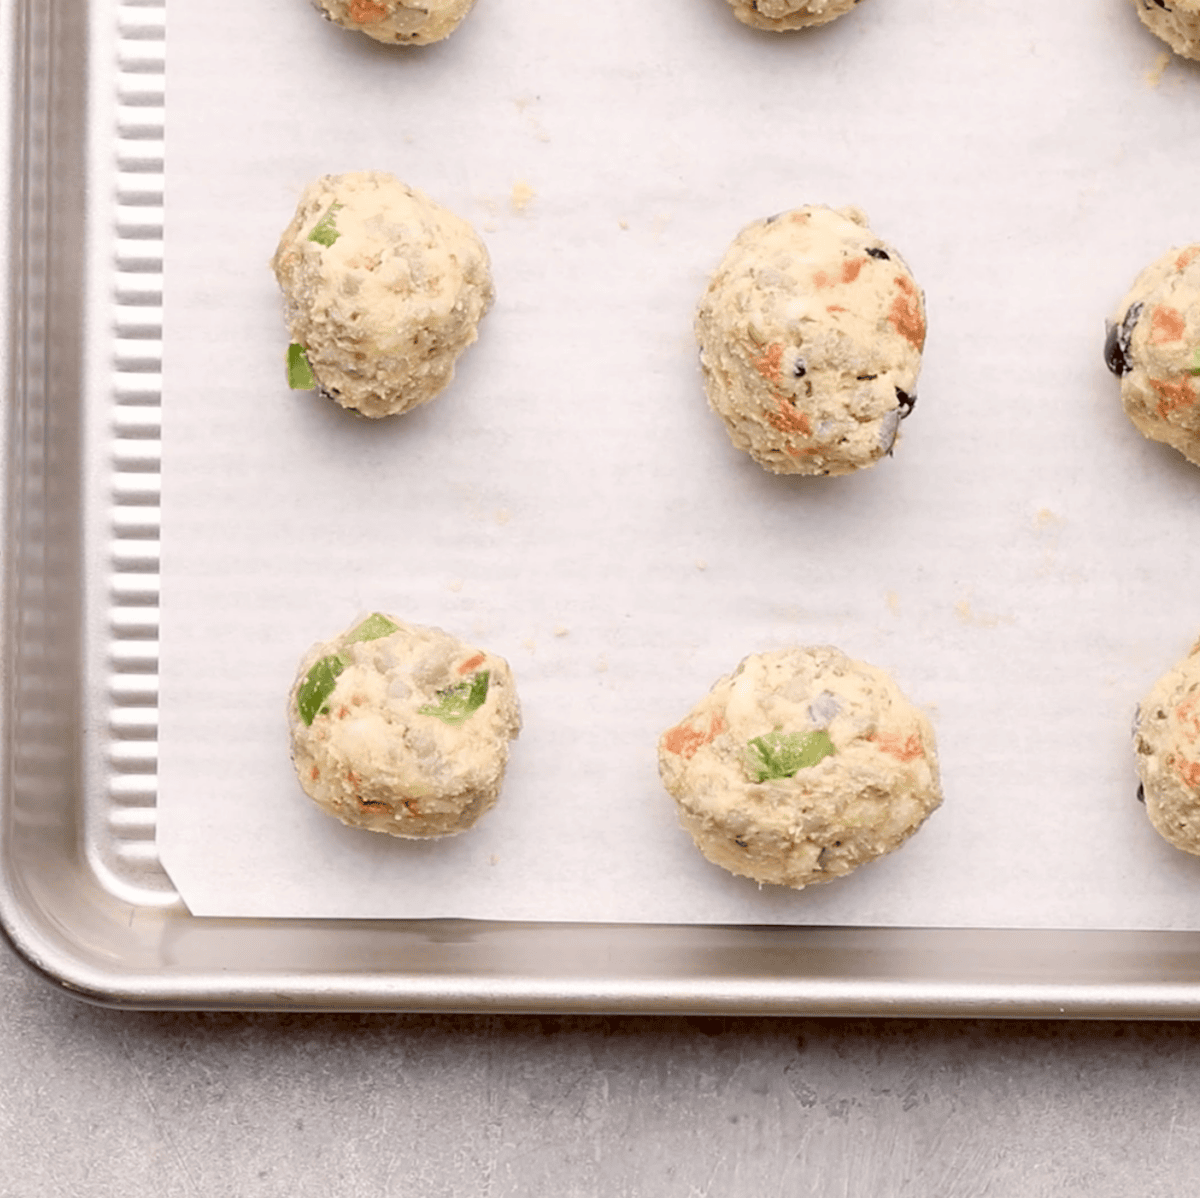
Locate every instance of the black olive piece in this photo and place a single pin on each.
(882, 255)
(799, 370)
(739, 840)
(907, 402)
(1117, 339)
(1141, 794)
(1114, 359)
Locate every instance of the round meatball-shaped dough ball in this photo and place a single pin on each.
(402, 729)
(383, 289)
(811, 334)
(1166, 741)
(781, 15)
(1153, 347)
(410, 22)
(1177, 22)
(801, 766)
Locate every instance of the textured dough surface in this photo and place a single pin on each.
(810, 334)
(1166, 741)
(1177, 22)
(863, 799)
(413, 22)
(375, 756)
(1153, 346)
(384, 311)
(781, 15)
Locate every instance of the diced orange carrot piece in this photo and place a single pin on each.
(367, 12)
(906, 313)
(1166, 324)
(687, 741)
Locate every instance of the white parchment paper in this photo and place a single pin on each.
(1025, 565)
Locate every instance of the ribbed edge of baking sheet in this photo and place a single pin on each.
(127, 273)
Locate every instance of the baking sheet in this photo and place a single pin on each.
(1022, 565)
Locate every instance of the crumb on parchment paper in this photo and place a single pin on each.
(522, 196)
(527, 107)
(488, 223)
(1048, 527)
(970, 615)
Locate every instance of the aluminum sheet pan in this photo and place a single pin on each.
(82, 896)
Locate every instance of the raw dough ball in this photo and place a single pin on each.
(1166, 740)
(1153, 347)
(800, 766)
(414, 22)
(789, 14)
(402, 729)
(1177, 22)
(383, 290)
(810, 334)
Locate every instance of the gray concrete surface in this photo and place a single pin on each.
(105, 1103)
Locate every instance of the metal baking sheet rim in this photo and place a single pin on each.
(117, 942)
